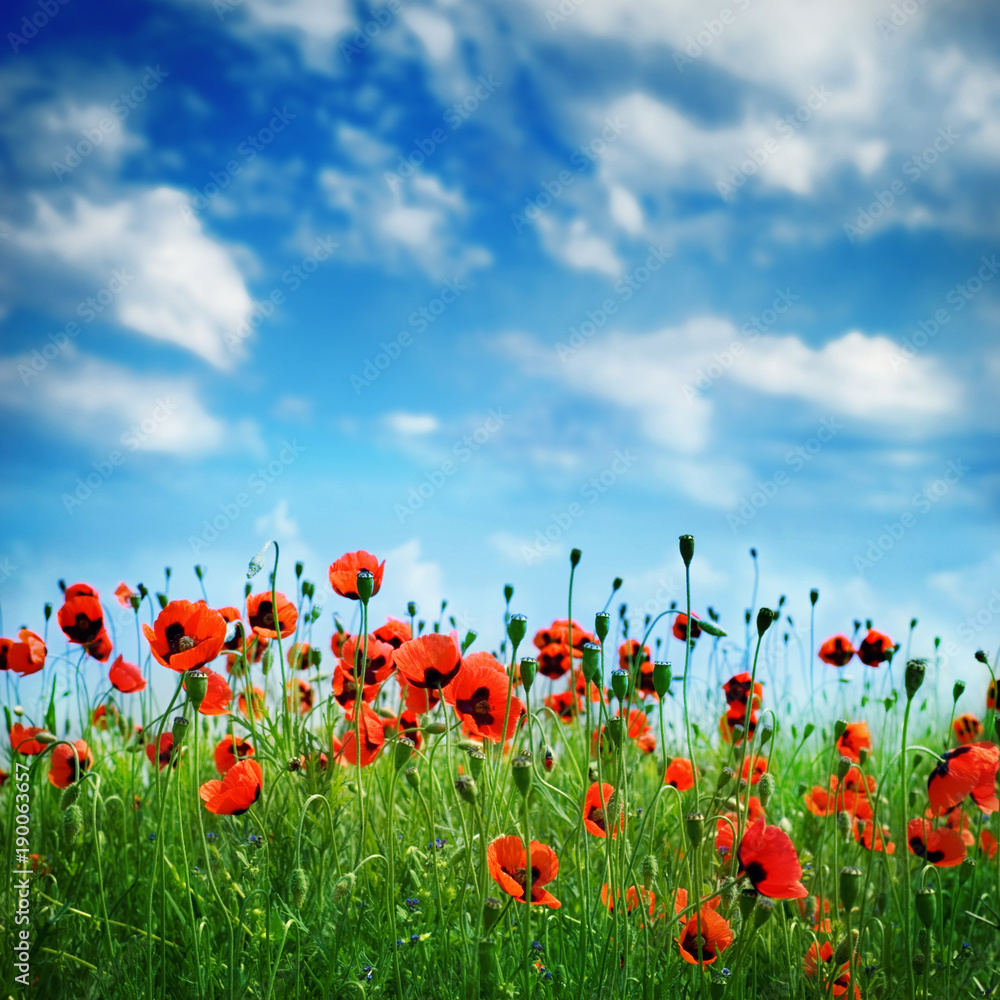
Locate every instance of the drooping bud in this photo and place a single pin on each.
(694, 826)
(602, 625)
(521, 769)
(925, 901)
(725, 776)
(529, 666)
(412, 776)
(196, 685)
(591, 663)
(517, 627)
(845, 948)
(766, 732)
(403, 751)
(72, 823)
(765, 787)
(915, 670)
(298, 886)
(70, 795)
(850, 886)
(650, 869)
(956, 691)
(465, 785)
(981, 656)
(344, 886)
(686, 545)
(179, 731)
(765, 619)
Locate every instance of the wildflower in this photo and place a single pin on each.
(186, 635)
(679, 774)
(595, 811)
(853, 739)
(126, 677)
(566, 705)
(558, 633)
(261, 614)
(393, 633)
(508, 859)
(680, 628)
(372, 738)
(431, 661)
(238, 790)
(82, 620)
(229, 751)
(218, 695)
(124, 593)
(754, 768)
(165, 752)
(344, 573)
(825, 954)
(737, 691)
(24, 657)
(875, 648)
(305, 696)
(257, 697)
(298, 656)
(66, 766)
(632, 898)
(479, 697)
(704, 937)
(967, 729)
(632, 653)
(966, 770)
(943, 848)
(837, 651)
(22, 739)
(768, 858)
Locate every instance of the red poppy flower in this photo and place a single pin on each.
(406, 724)
(853, 739)
(704, 937)
(337, 641)
(479, 696)
(126, 677)
(589, 689)
(558, 633)
(820, 802)
(344, 573)
(484, 659)
(508, 864)
(24, 657)
(66, 767)
(644, 682)
(956, 819)
(841, 982)
(733, 717)
(680, 627)
(375, 660)
(810, 908)
(81, 617)
(632, 653)
(681, 903)
(865, 832)
(837, 651)
(124, 593)
(595, 811)
(967, 729)
(419, 701)
(218, 696)
(186, 635)
(372, 738)
(737, 691)
(165, 751)
(875, 648)
(768, 858)
(430, 661)
(22, 739)
(967, 770)
(257, 696)
(229, 752)
(632, 896)
(757, 769)
(102, 715)
(855, 781)
(988, 844)
(345, 690)
(943, 848)
(256, 647)
(260, 614)
(298, 656)
(724, 830)
(566, 705)
(304, 692)
(554, 660)
(638, 724)
(680, 774)
(230, 615)
(991, 696)
(394, 633)
(238, 790)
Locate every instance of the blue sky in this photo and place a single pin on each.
(468, 285)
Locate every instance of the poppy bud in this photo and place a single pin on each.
(365, 585)
(72, 823)
(650, 869)
(844, 824)
(403, 751)
(748, 900)
(615, 728)
(548, 758)
(591, 664)
(765, 787)
(766, 732)
(862, 756)
(48, 610)
(738, 733)
(434, 728)
(470, 638)
(491, 912)
(981, 656)
(411, 609)
(476, 760)
(196, 685)
(661, 678)
(687, 548)
(521, 768)
(919, 961)
(915, 670)
(592, 773)
(845, 947)
(179, 731)
(574, 557)
(765, 619)
(926, 904)
(839, 728)
(412, 776)
(619, 683)
(344, 886)
(967, 867)
(602, 625)
(813, 596)
(843, 766)
(45, 739)
(517, 626)
(70, 795)
(725, 776)
(529, 665)
(956, 691)
(764, 909)
(466, 787)
(850, 886)
(298, 885)
(694, 826)
(508, 592)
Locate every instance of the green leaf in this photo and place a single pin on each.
(50, 713)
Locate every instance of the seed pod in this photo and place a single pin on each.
(476, 761)
(686, 545)
(926, 905)
(196, 685)
(403, 751)
(765, 619)
(850, 886)
(491, 912)
(619, 683)
(661, 678)
(725, 776)
(616, 728)
(839, 728)
(179, 731)
(528, 669)
(914, 677)
(574, 557)
(748, 900)
(521, 768)
(298, 886)
(517, 627)
(591, 663)
(765, 787)
(843, 766)
(694, 825)
(466, 788)
(72, 823)
(602, 625)
(412, 776)
(764, 909)
(365, 585)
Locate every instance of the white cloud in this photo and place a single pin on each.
(182, 287)
(411, 424)
(112, 407)
(576, 246)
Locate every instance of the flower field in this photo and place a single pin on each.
(234, 802)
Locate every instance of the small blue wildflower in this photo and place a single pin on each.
(726, 972)
(211, 835)
(548, 975)
(152, 837)
(413, 903)
(414, 938)
(537, 946)
(400, 942)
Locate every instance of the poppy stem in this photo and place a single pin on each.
(528, 892)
